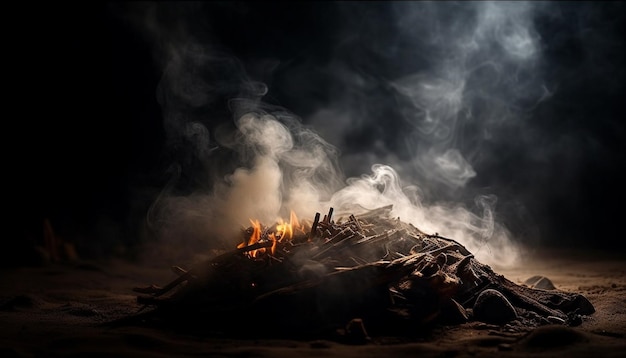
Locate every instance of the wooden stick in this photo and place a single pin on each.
(178, 270)
(356, 221)
(329, 245)
(329, 216)
(314, 226)
(187, 275)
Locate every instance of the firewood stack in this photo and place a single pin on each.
(370, 271)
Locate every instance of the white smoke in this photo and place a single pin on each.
(480, 233)
(477, 65)
(481, 64)
(483, 53)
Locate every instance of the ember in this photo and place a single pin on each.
(279, 233)
(319, 278)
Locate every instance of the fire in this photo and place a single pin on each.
(281, 233)
(286, 231)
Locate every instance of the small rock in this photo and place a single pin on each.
(492, 307)
(574, 319)
(540, 282)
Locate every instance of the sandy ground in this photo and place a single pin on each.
(56, 311)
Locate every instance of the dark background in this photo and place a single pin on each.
(86, 146)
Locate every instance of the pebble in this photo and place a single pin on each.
(492, 307)
(540, 282)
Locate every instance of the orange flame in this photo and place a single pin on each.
(254, 238)
(284, 232)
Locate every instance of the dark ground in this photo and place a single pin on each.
(56, 311)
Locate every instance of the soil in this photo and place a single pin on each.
(59, 310)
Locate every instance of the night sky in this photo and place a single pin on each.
(537, 121)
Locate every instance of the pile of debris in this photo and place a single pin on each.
(359, 275)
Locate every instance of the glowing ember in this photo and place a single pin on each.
(281, 233)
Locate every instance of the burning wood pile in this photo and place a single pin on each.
(355, 276)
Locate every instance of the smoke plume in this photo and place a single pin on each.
(408, 105)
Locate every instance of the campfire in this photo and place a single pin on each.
(350, 277)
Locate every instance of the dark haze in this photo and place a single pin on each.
(499, 120)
